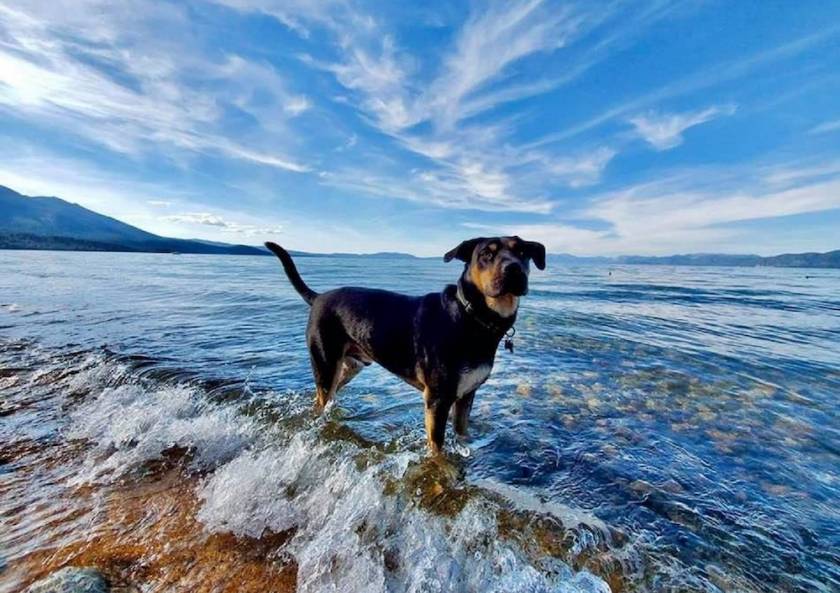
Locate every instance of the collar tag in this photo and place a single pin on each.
(509, 339)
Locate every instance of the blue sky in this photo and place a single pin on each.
(595, 127)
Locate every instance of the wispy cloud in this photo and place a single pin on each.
(665, 130)
(695, 210)
(215, 220)
(113, 80)
(705, 78)
(826, 127)
(489, 43)
(496, 111)
(558, 237)
(583, 169)
(301, 15)
(297, 105)
(472, 188)
(653, 215)
(470, 165)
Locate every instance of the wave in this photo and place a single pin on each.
(360, 518)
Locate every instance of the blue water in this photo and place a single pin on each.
(678, 424)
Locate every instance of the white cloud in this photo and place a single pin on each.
(664, 130)
(703, 79)
(166, 96)
(634, 213)
(695, 211)
(491, 41)
(580, 170)
(159, 203)
(471, 189)
(297, 105)
(216, 220)
(479, 165)
(674, 214)
(785, 175)
(471, 165)
(198, 218)
(557, 237)
(300, 15)
(261, 158)
(826, 127)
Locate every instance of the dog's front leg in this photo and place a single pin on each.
(437, 412)
(461, 413)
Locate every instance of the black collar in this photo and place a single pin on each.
(482, 318)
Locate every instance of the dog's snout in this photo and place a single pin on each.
(513, 269)
(515, 278)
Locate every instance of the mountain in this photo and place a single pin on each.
(51, 223)
(830, 259)
(695, 259)
(382, 254)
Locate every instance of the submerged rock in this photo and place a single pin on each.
(71, 580)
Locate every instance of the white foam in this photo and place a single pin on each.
(246, 496)
(131, 424)
(351, 537)
(569, 517)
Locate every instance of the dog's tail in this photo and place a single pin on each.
(291, 271)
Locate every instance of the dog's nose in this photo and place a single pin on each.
(512, 269)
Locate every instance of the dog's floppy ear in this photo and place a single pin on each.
(464, 251)
(536, 251)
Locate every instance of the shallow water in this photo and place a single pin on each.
(656, 429)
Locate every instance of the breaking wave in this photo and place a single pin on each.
(362, 519)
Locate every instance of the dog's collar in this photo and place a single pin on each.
(477, 315)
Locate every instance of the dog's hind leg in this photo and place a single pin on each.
(326, 368)
(350, 367)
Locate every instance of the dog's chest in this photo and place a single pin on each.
(471, 378)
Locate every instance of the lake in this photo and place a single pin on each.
(656, 429)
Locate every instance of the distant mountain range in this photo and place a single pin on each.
(830, 259)
(51, 223)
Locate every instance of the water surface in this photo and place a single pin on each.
(657, 428)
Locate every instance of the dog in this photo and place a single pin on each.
(443, 343)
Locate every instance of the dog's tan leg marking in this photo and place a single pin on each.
(320, 399)
(325, 396)
(436, 415)
(461, 417)
(430, 422)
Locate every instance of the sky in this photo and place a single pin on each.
(598, 128)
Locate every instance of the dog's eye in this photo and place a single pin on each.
(487, 254)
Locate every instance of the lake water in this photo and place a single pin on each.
(656, 429)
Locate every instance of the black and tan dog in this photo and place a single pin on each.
(443, 343)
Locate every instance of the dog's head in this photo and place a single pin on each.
(499, 266)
